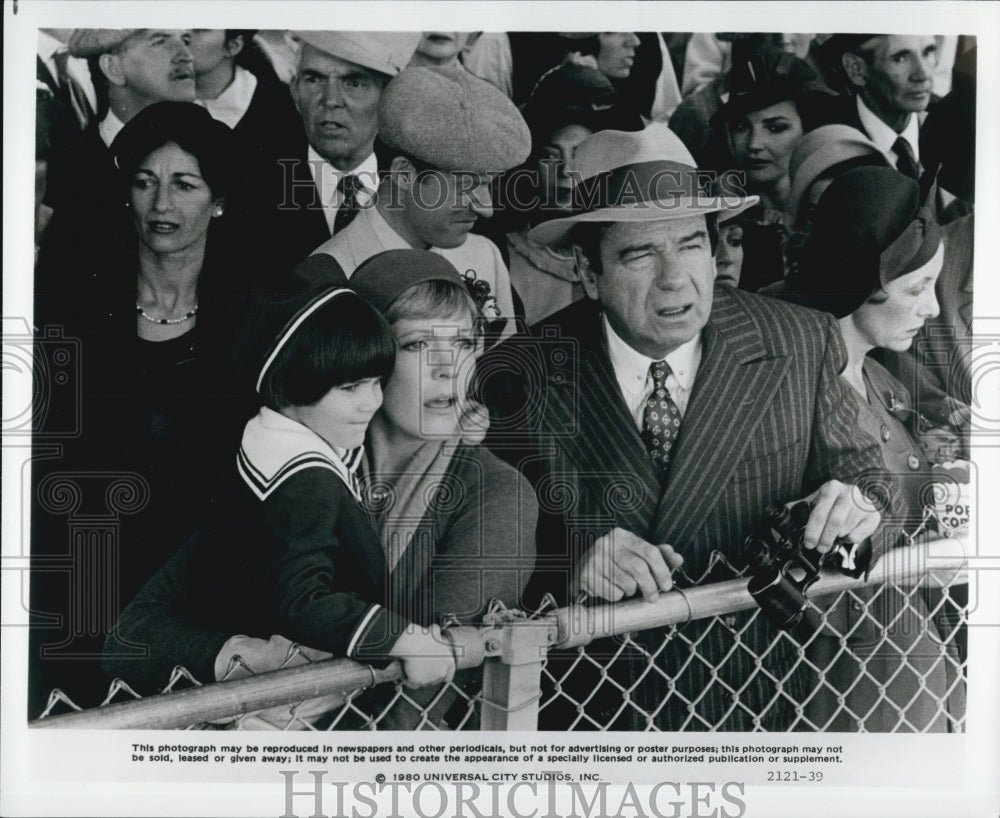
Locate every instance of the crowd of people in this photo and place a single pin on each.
(391, 325)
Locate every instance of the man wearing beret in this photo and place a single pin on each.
(326, 169)
(891, 76)
(131, 68)
(657, 419)
(449, 133)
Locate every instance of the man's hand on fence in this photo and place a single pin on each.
(621, 564)
(426, 655)
(839, 510)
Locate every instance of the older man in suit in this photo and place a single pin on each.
(326, 170)
(662, 418)
(890, 76)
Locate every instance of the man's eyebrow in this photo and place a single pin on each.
(312, 72)
(636, 248)
(697, 235)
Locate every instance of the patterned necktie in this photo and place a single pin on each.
(906, 162)
(349, 187)
(661, 419)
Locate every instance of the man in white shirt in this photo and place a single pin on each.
(328, 170)
(657, 419)
(892, 76)
(136, 68)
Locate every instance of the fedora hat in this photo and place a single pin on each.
(387, 52)
(639, 176)
(92, 42)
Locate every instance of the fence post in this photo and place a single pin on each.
(512, 673)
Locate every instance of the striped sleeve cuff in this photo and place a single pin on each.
(375, 634)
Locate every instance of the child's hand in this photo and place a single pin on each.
(426, 655)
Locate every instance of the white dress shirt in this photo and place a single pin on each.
(885, 137)
(109, 127)
(232, 104)
(327, 177)
(632, 372)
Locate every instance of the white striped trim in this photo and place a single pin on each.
(373, 611)
(290, 329)
(275, 447)
(263, 487)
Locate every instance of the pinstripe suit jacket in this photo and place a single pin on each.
(769, 420)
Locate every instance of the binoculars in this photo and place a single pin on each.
(781, 569)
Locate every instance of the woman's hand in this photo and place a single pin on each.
(426, 655)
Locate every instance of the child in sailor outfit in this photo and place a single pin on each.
(290, 548)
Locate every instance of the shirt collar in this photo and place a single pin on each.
(632, 367)
(885, 137)
(48, 46)
(232, 104)
(329, 176)
(275, 447)
(110, 127)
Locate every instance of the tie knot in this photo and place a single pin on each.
(348, 185)
(659, 371)
(901, 146)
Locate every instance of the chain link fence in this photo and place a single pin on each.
(882, 654)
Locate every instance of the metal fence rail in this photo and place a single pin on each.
(631, 665)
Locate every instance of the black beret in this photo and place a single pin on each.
(767, 79)
(868, 228)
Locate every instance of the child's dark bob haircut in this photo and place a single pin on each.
(343, 341)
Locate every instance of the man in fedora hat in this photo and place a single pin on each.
(327, 169)
(891, 76)
(658, 418)
(448, 133)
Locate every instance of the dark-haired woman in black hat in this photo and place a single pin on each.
(773, 100)
(872, 259)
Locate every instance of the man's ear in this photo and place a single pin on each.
(588, 277)
(402, 171)
(855, 67)
(111, 66)
(234, 45)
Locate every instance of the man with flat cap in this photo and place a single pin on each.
(890, 76)
(327, 169)
(657, 419)
(131, 69)
(449, 133)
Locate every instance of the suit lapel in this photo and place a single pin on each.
(606, 446)
(736, 382)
